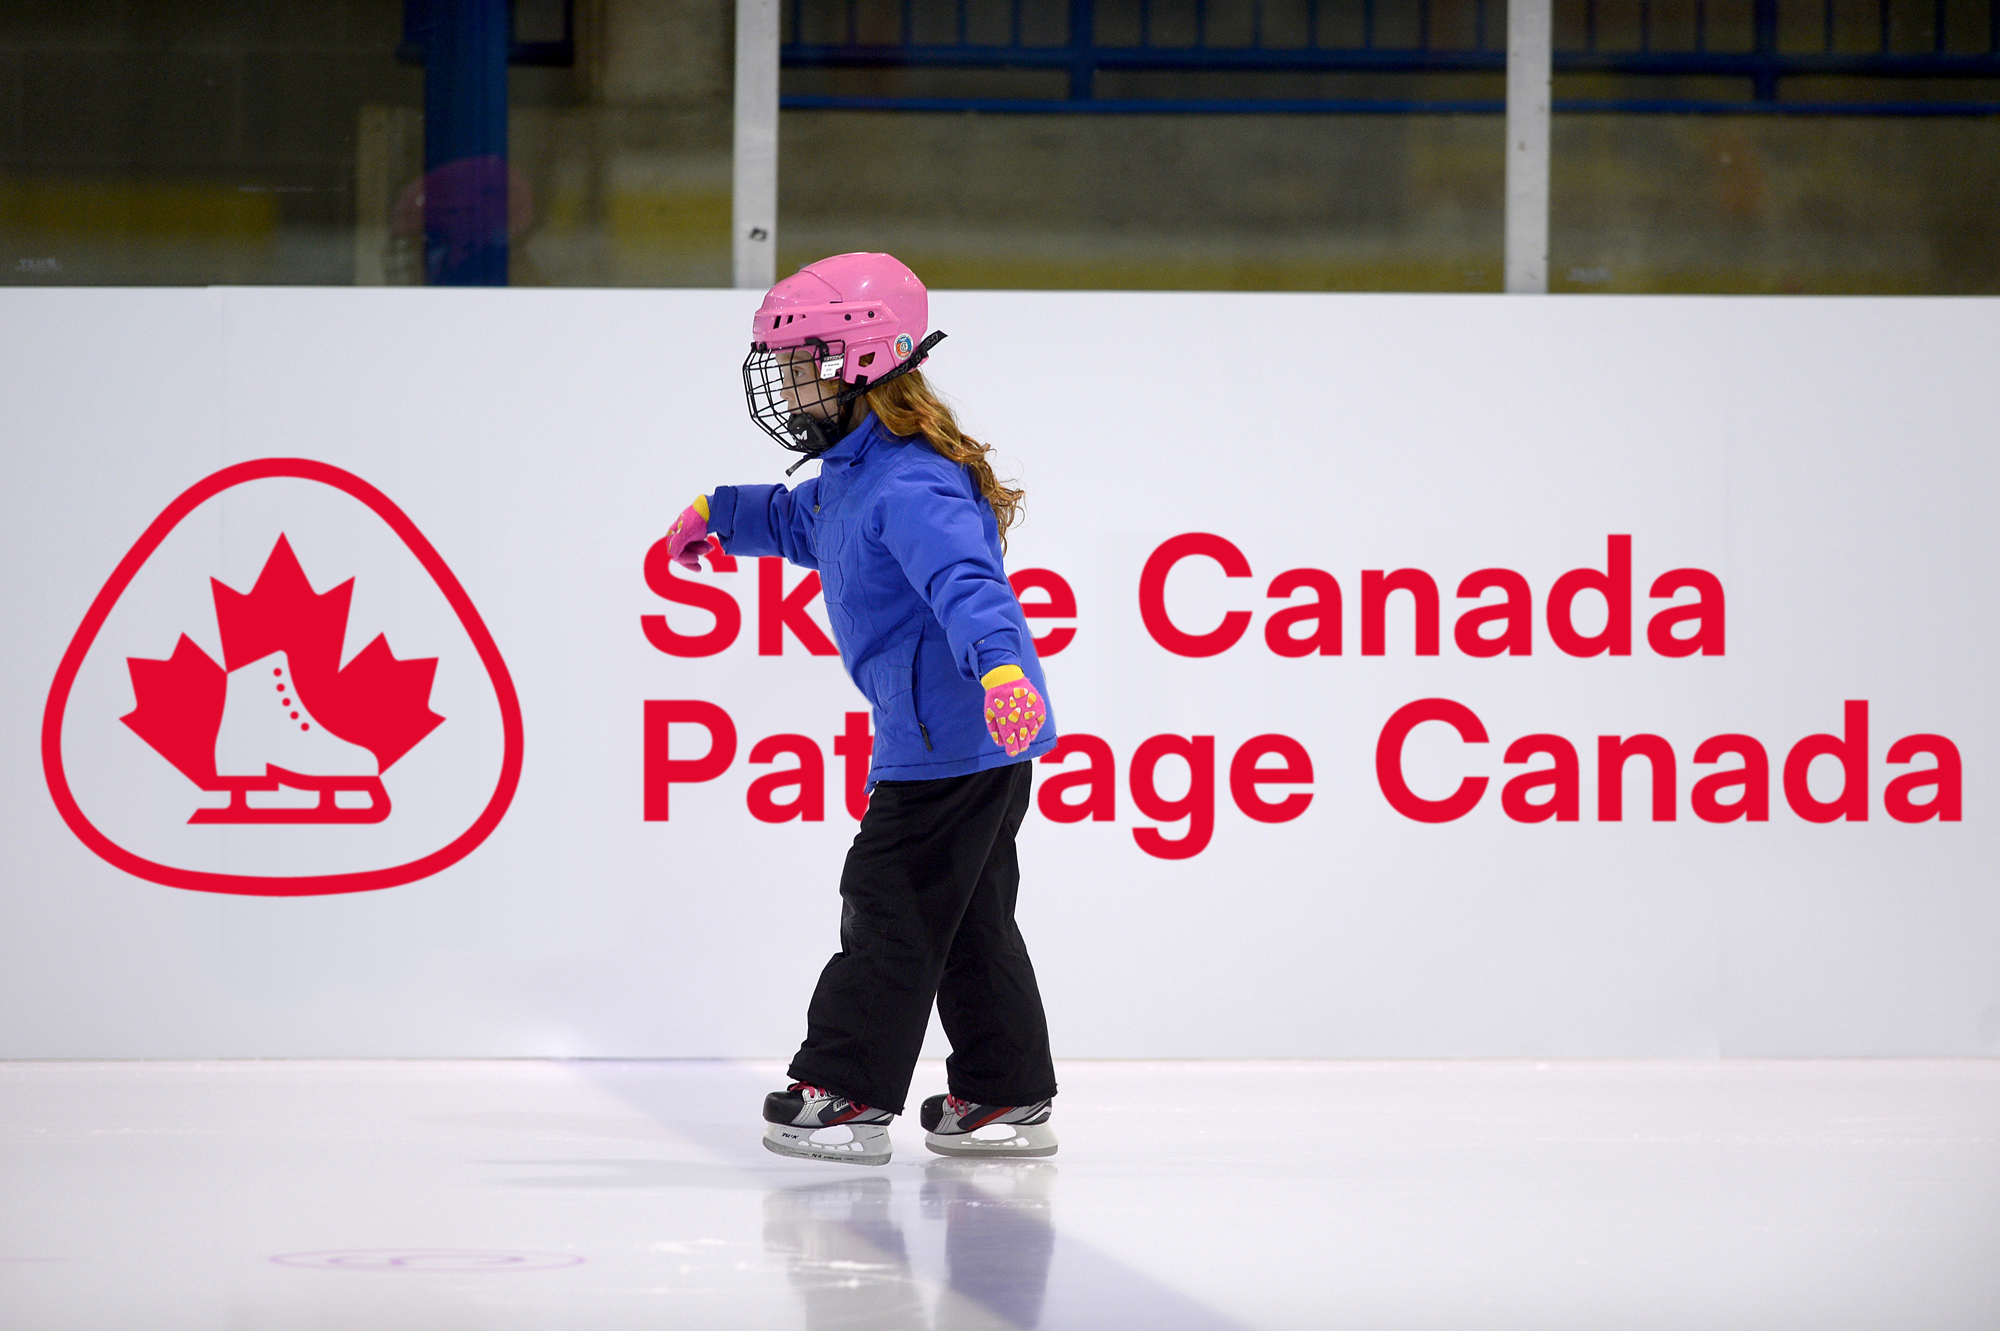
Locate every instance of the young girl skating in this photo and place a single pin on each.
(906, 524)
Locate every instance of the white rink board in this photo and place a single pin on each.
(1829, 461)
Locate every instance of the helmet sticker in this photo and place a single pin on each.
(831, 366)
(903, 346)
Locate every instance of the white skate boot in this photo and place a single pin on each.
(958, 1127)
(270, 739)
(813, 1123)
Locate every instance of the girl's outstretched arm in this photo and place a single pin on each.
(764, 520)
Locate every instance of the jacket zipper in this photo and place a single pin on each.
(915, 658)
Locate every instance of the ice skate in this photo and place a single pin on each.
(958, 1127)
(813, 1123)
(269, 739)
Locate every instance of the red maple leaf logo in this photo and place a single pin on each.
(376, 702)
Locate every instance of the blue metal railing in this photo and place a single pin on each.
(1812, 38)
(555, 50)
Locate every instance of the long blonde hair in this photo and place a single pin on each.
(907, 407)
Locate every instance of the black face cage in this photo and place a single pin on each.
(796, 394)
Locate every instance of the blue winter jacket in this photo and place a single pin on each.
(908, 555)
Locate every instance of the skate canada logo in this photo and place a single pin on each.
(280, 651)
(236, 728)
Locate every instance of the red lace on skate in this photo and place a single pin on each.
(812, 1092)
(959, 1108)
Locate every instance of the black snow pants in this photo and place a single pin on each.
(927, 913)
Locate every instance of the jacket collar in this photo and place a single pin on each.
(853, 445)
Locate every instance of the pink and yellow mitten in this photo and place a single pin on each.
(1014, 711)
(689, 534)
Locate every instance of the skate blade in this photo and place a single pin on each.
(1026, 1141)
(869, 1145)
(328, 810)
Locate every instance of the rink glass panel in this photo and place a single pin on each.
(1698, 145)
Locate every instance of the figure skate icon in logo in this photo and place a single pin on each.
(281, 712)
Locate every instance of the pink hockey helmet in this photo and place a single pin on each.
(825, 335)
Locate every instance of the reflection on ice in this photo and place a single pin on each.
(999, 1234)
(849, 1259)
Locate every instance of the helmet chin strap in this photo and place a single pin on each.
(844, 403)
(821, 441)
